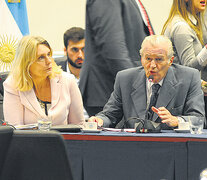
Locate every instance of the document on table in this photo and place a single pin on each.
(118, 130)
(26, 127)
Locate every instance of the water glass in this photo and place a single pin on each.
(90, 125)
(44, 124)
(196, 124)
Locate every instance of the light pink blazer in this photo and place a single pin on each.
(66, 104)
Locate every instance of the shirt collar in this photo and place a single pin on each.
(149, 84)
(68, 71)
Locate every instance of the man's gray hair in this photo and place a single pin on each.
(155, 40)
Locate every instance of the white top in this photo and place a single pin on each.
(86, 116)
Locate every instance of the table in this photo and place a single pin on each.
(131, 156)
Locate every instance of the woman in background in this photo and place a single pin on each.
(184, 28)
(205, 27)
(37, 88)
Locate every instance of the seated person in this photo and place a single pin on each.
(37, 88)
(74, 43)
(179, 95)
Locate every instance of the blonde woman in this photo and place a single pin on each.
(37, 88)
(205, 27)
(184, 28)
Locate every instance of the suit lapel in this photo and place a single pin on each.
(29, 100)
(139, 96)
(55, 89)
(136, 5)
(65, 65)
(167, 91)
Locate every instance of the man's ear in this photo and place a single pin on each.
(65, 51)
(171, 60)
(142, 61)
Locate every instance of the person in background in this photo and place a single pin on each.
(205, 27)
(74, 43)
(37, 88)
(114, 32)
(179, 92)
(184, 28)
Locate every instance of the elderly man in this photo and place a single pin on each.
(179, 93)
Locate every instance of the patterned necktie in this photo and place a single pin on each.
(153, 100)
(146, 17)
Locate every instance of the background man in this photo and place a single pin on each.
(74, 43)
(179, 95)
(114, 32)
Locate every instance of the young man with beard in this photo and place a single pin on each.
(74, 43)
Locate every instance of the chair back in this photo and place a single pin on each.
(1, 107)
(3, 76)
(37, 155)
(5, 140)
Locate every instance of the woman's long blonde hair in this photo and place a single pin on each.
(26, 54)
(182, 8)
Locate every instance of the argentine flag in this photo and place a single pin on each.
(13, 26)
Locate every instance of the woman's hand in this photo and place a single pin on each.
(204, 87)
(204, 84)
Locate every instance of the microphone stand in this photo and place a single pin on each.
(144, 130)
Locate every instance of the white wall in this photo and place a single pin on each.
(51, 18)
(158, 11)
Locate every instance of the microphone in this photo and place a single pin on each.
(150, 78)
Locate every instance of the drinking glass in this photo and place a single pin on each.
(44, 124)
(196, 124)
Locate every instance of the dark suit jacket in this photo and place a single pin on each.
(114, 33)
(62, 61)
(3, 76)
(180, 93)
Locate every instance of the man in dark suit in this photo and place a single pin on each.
(179, 93)
(114, 32)
(74, 43)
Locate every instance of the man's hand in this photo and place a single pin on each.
(166, 116)
(96, 119)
